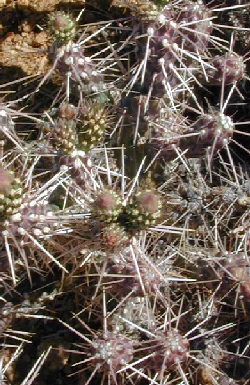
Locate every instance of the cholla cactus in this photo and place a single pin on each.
(171, 349)
(62, 27)
(125, 222)
(11, 197)
(92, 124)
(227, 69)
(214, 132)
(144, 210)
(113, 237)
(71, 60)
(111, 352)
(64, 135)
(107, 206)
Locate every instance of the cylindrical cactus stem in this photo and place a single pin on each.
(214, 132)
(71, 60)
(62, 27)
(91, 126)
(228, 68)
(79, 165)
(195, 25)
(67, 111)
(164, 135)
(143, 211)
(111, 351)
(64, 135)
(171, 349)
(11, 195)
(107, 206)
(112, 237)
(140, 280)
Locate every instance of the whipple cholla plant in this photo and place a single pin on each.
(124, 193)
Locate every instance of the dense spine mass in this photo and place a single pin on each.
(124, 193)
